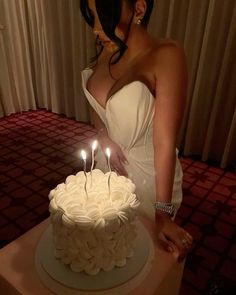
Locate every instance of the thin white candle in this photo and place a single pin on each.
(108, 154)
(94, 146)
(84, 157)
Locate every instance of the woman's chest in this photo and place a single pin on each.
(106, 81)
(99, 85)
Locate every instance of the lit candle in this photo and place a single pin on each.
(94, 146)
(108, 154)
(84, 156)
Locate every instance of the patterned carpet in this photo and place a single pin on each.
(38, 149)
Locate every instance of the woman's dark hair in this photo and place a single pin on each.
(109, 13)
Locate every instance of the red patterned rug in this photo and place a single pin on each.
(38, 149)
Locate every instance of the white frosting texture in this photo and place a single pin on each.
(94, 230)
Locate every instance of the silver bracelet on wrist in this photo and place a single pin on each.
(165, 207)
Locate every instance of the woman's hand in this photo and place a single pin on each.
(173, 237)
(117, 159)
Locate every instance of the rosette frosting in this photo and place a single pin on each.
(93, 222)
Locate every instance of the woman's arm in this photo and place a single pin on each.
(171, 84)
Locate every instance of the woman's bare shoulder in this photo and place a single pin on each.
(163, 49)
(166, 54)
(161, 56)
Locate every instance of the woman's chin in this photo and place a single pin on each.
(110, 47)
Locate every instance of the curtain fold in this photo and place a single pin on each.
(207, 29)
(61, 38)
(15, 65)
(219, 103)
(45, 44)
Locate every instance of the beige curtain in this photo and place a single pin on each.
(16, 86)
(61, 47)
(44, 44)
(207, 29)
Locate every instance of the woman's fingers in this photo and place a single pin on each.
(166, 244)
(122, 158)
(185, 238)
(184, 243)
(119, 168)
(170, 246)
(122, 171)
(176, 235)
(189, 236)
(117, 161)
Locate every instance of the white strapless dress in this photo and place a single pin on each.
(128, 117)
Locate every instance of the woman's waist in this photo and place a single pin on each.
(141, 151)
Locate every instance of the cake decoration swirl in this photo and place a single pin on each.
(94, 230)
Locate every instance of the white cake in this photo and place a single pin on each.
(94, 231)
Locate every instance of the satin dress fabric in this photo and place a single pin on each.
(128, 117)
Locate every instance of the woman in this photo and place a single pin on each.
(137, 90)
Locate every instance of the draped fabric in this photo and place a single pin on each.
(16, 86)
(45, 44)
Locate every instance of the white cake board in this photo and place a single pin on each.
(62, 281)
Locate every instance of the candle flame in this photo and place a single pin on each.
(94, 145)
(83, 155)
(108, 152)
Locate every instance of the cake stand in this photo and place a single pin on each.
(121, 280)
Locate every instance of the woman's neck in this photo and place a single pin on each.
(138, 42)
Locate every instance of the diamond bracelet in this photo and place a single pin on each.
(165, 207)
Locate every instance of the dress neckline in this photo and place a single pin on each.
(85, 80)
